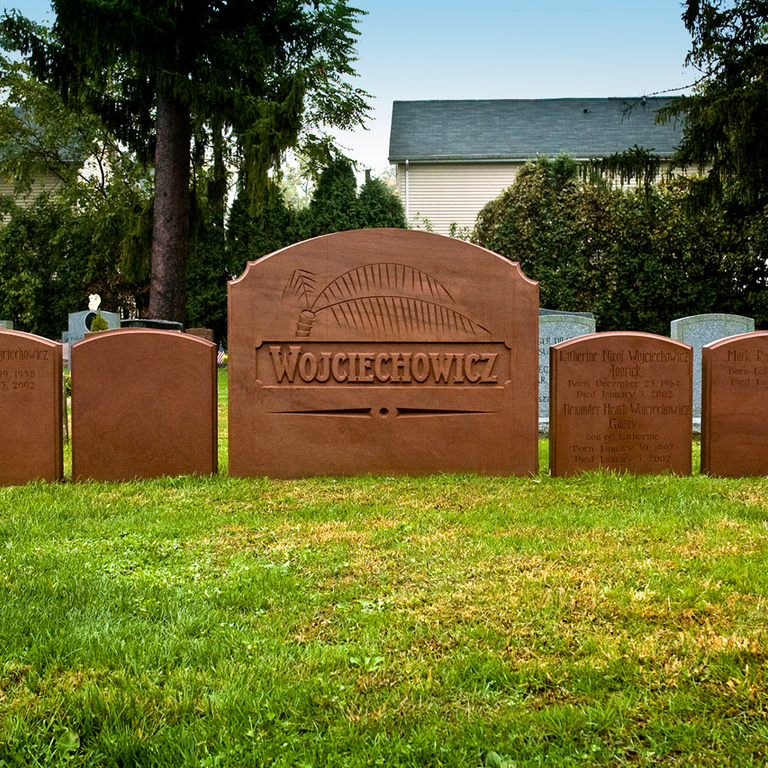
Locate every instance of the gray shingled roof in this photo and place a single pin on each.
(520, 129)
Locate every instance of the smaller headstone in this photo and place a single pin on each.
(543, 312)
(555, 327)
(734, 415)
(620, 401)
(698, 330)
(30, 409)
(143, 405)
(6, 325)
(148, 322)
(203, 333)
(80, 324)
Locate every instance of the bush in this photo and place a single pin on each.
(52, 256)
(554, 228)
(637, 258)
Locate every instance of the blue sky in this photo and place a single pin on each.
(503, 49)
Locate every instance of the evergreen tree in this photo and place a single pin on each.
(158, 71)
(252, 235)
(379, 207)
(83, 233)
(335, 207)
(725, 118)
(334, 202)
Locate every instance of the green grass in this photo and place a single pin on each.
(442, 621)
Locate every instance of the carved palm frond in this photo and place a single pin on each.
(381, 279)
(401, 316)
(301, 283)
(382, 298)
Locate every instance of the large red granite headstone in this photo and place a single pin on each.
(734, 406)
(143, 405)
(30, 409)
(620, 401)
(382, 351)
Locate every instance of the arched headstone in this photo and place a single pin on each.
(620, 401)
(143, 405)
(734, 414)
(382, 351)
(30, 408)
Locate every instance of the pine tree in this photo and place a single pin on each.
(158, 72)
(725, 117)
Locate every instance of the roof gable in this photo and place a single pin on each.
(521, 129)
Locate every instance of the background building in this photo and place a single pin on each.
(452, 157)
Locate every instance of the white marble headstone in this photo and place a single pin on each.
(699, 330)
(555, 327)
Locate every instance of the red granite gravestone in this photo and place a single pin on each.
(143, 405)
(620, 401)
(734, 406)
(382, 351)
(30, 409)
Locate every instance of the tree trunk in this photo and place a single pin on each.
(170, 234)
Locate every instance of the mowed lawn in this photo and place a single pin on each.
(442, 621)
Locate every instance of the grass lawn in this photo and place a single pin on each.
(440, 621)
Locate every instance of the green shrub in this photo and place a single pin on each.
(99, 323)
(637, 258)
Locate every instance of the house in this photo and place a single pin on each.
(452, 157)
(40, 183)
(25, 153)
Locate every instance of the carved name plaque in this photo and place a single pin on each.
(30, 409)
(734, 415)
(620, 401)
(143, 405)
(382, 351)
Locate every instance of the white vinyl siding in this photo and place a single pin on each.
(40, 183)
(437, 195)
(451, 193)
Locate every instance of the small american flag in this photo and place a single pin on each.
(220, 355)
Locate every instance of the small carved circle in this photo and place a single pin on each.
(383, 412)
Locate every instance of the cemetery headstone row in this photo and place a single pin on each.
(383, 351)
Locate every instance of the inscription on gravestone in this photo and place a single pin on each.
(30, 408)
(620, 401)
(555, 327)
(382, 351)
(698, 330)
(734, 418)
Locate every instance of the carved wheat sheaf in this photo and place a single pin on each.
(381, 298)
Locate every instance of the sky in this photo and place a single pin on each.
(502, 49)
